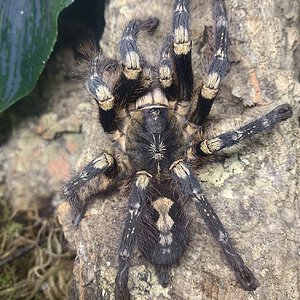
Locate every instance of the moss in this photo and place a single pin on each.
(42, 271)
(7, 275)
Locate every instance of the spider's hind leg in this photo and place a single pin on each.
(136, 202)
(190, 186)
(87, 182)
(228, 139)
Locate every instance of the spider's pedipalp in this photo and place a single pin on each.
(190, 186)
(218, 67)
(227, 139)
(97, 86)
(104, 164)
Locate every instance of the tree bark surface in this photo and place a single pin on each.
(255, 191)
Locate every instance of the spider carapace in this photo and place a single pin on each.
(153, 114)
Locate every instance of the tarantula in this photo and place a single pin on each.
(147, 112)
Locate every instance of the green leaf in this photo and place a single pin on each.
(28, 30)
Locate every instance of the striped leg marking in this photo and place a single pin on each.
(182, 49)
(131, 57)
(137, 200)
(104, 164)
(218, 67)
(189, 184)
(268, 121)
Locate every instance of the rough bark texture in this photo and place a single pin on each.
(255, 191)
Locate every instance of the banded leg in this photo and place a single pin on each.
(227, 139)
(218, 67)
(102, 92)
(189, 184)
(136, 76)
(104, 164)
(182, 49)
(111, 84)
(131, 57)
(167, 68)
(137, 200)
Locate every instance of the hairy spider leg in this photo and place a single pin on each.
(137, 74)
(227, 139)
(166, 71)
(136, 201)
(128, 81)
(133, 62)
(188, 183)
(182, 47)
(218, 68)
(101, 91)
(104, 164)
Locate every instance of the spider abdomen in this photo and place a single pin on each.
(163, 234)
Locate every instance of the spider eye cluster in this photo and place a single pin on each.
(154, 113)
(155, 119)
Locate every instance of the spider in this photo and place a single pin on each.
(152, 115)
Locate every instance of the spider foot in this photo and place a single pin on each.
(246, 278)
(78, 206)
(282, 112)
(121, 291)
(78, 216)
(163, 275)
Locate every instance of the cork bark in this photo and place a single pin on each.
(254, 191)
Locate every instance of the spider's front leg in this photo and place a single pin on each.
(84, 183)
(182, 51)
(167, 69)
(189, 184)
(133, 62)
(112, 84)
(137, 200)
(218, 67)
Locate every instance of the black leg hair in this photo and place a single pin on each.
(104, 164)
(190, 186)
(136, 201)
(136, 78)
(218, 67)
(182, 50)
(101, 92)
(108, 119)
(227, 139)
(167, 69)
(132, 61)
(133, 81)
